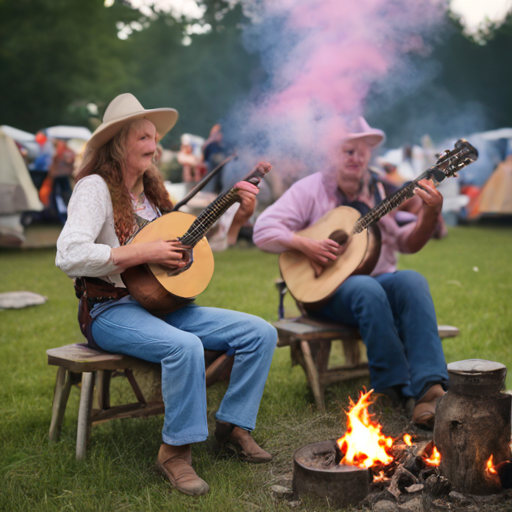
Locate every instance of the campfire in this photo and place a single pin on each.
(365, 446)
(366, 462)
(365, 459)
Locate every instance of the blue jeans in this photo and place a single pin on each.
(397, 320)
(177, 342)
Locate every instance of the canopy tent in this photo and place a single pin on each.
(26, 139)
(500, 133)
(496, 195)
(69, 132)
(17, 191)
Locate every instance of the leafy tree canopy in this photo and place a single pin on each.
(58, 56)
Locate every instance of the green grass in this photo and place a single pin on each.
(119, 471)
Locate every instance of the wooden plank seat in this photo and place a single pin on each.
(310, 343)
(78, 363)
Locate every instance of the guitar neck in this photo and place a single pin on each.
(215, 210)
(208, 217)
(389, 204)
(448, 163)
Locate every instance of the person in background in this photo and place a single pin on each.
(41, 165)
(60, 173)
(392, 174)
(214, 153)
(393, 309)
(189, 161)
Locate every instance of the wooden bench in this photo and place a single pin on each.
(94, 369)
(310, 343)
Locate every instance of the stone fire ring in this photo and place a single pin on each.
(338, 485)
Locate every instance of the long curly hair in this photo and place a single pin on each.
(109, 163)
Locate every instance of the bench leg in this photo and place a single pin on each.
(352, 352)
(60, 400)
(103, 385)
(322, 356)
(84, 414)
(313, 378)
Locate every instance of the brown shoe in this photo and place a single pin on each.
(175, 462)
(241, 442)
(424, 413)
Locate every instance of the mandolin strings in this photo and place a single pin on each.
(208, 217)
(446, 166)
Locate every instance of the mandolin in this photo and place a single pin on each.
(161, 290)
(359, 235)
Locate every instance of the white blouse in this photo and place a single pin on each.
(84, 245)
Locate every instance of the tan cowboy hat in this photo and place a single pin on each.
(124, 108)
(360, 129)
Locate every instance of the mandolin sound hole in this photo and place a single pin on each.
(339, 236)
(188, 257)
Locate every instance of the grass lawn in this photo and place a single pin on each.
(470, 277)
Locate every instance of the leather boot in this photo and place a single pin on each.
(241, 442)
(424, 413)
(175, 462)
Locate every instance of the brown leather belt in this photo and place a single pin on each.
(91, 291)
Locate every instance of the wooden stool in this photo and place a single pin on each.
(310, 342)
(78, 363)
(310, 346)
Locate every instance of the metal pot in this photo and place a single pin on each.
(476, 377)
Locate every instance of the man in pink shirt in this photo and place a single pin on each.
(393, 309)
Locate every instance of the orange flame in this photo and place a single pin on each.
(363, 444)
(434, 459)
(380, 477)
(407, 439)
(490, 466)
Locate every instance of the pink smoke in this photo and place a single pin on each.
(322, 63)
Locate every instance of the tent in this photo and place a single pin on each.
(17, 192)
(68, 132)
(26, 139)
(496, 195)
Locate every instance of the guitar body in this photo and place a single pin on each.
(363, 248)
(159, 290)
(360, 257)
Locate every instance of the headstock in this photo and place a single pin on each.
(451, 162)
(257, 174)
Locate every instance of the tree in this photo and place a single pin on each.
(55, 54)
(202, 80)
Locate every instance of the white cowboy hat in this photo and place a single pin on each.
(360, 129)
(124, 108)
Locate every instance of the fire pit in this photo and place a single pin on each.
(470, 451)
(337, 471)
(317, 474)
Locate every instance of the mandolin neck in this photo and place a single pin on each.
(394, 201)
(389, 204)
(215, 210)
(447, 165)
(208, 217)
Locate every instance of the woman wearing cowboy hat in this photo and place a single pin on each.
(393, 309)
(117, 188)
